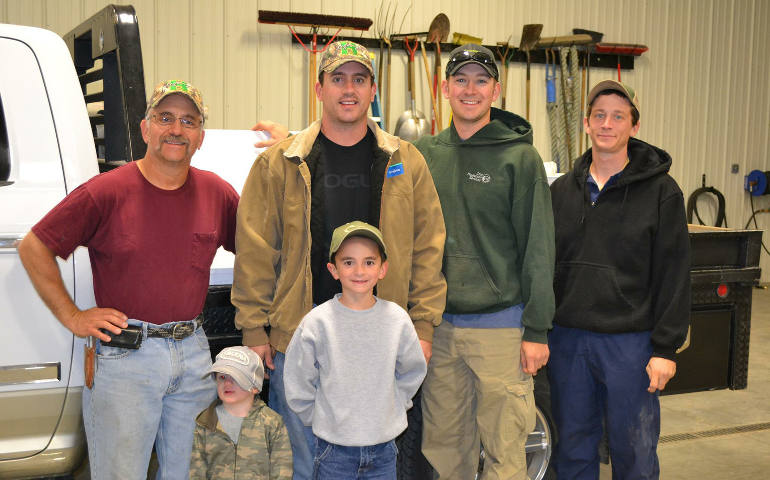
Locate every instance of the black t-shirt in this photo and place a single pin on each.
(346, 184)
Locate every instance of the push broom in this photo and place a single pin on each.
(314, 21)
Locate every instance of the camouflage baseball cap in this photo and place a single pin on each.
(356, 228)
(168, 87)
(623, 89)
(342, 52)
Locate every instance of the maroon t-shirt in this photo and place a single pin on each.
(150, 249)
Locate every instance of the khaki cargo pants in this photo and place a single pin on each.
(475, 392)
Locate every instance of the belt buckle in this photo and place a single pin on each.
(180, 331)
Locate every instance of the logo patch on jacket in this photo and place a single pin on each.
(395, 170)
(479, 177)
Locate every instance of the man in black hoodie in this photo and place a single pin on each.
(622, 290)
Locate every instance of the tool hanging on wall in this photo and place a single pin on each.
(412, 124)
(314, 22)
(529, 37)
(570, 90)
(427, 79)
(504, 55)
(596, 37)
(464, 39)
(620, 49)
(553, 109)
(376, 104)
(382, 26)
(438, 32)
(385, 26)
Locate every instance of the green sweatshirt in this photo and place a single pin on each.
(494, 194)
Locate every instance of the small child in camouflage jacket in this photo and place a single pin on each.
(238, 436)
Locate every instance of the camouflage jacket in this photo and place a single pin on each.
(263, 451)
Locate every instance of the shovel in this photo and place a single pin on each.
(596, 37)
(412, 124)
(504, 55)
(529, 37)
(438, 32)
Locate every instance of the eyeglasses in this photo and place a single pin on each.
(166, 119)
(472, 56)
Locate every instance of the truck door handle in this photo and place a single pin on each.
(10, 242)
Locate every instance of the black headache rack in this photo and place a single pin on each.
(219, 319)
(724, 269)
(111, 38)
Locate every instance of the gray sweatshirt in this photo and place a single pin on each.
(351, 374)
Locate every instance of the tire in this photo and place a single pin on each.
(410, 463)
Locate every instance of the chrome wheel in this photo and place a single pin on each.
(537, 449)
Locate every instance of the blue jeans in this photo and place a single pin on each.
(596, 376)
(337, 462)
(301, 437)
(144, 397)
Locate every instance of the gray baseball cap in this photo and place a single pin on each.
(241, 363)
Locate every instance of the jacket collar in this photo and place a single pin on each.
(303, 142)
(208, 418)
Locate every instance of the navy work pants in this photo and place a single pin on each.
(596, 377)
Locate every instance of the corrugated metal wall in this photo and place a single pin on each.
(703, 83)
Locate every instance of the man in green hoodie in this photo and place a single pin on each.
(498, 263)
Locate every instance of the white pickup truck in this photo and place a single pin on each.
(46, 150)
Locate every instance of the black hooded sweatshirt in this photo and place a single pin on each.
(622, 263)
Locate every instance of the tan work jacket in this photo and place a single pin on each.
(272, 280)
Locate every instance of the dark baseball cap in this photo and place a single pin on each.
(472, 53)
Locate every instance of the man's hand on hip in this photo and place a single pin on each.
(84, 323)
(660, 371)
(533, 356)
(266, 354)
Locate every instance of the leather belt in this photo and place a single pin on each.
(178, 331)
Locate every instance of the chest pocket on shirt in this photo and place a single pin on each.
(204, 247)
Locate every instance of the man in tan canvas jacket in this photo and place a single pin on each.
(339, 169)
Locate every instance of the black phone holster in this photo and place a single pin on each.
(130, 337)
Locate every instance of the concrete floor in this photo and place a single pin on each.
(719, 451)
(717, 454)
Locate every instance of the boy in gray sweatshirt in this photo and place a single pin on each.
(354, 363)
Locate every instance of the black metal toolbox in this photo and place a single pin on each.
(724, 269)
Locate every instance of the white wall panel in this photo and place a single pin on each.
(207, 55)
(703, 82)
(240, 54)
(172, 33)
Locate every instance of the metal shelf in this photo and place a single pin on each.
(537, 56)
